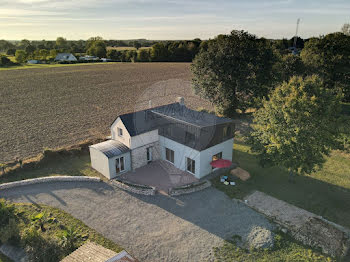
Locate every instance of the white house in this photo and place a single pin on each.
(189, 139)
(65, 57)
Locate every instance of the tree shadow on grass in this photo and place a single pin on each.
(317, 196)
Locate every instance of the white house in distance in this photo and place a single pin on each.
(188, 139)
(65, 57)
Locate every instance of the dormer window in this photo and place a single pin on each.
(120, 132)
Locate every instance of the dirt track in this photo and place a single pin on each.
(54, 107)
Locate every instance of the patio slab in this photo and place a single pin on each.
(160, 174)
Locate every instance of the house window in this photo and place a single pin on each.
(191, 165)
(216, 157)
(169, 155)
(119, 164)
(189, 138)
(120, 132)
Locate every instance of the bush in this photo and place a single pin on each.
(4, 61)
(8, 227)
(39, 248)
(6, 212)
(10, 233)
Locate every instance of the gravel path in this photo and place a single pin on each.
(152, 228)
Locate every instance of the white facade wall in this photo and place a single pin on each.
(111, 164)
(181, 152)
(225, 147)
(125, 139)
(144, 139)
(99, 162)
(202, 158)
(105, 165)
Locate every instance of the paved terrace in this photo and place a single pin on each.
(160, 174)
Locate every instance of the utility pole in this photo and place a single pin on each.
(296, 35)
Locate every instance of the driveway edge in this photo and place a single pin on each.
(49, 179)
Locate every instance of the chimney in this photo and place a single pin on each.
(180, 100)
(149, 103)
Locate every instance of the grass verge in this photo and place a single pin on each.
(52, 223)
(60, 165)
(325, 192)
(285, 249)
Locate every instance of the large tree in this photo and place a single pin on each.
(233, 70)
(329, 57)
(96, 47)
(297, 125)
(21, 56)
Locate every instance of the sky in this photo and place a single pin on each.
(168, 19)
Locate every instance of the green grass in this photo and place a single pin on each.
(285, 249)
(25, 212)
(4, 258)
(325, 192)
(68, 165)
(28, 66)
(53, 224)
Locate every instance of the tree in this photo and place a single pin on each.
(159, 52)
(113, 54)
(96, 47)
(297, 126)
(233, 71)
(143, 55)
(43, 54)
(346, 29)
(11, 51)
(4, 61)
(329, 57)
(288, 66)
(137, 45)
(61, 43)
(21, 56)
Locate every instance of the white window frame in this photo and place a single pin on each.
(192, 164)
(170, 155)
(120, 131)
(118, 163)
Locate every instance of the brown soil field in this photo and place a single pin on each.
(56, 107)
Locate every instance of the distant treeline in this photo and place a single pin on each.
(158, 51)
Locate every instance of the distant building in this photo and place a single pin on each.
(89, 58)
(65, 57)
(33, 61)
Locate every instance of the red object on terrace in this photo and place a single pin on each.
(221, 163)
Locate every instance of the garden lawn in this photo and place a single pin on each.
(66, 165)
(325, 192)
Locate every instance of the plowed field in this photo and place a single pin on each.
(54, 107)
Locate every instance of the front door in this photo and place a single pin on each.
(149, 155)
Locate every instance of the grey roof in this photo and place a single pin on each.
(111, 148)
(146, 120)
(63, 56)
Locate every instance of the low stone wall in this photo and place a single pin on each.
(190, 188)
(134, 188)
(49, 179)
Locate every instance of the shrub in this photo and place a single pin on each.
(39, 248)
(6, 212)
(10, 232)
(69, 240)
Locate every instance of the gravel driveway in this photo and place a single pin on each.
(152, 228)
